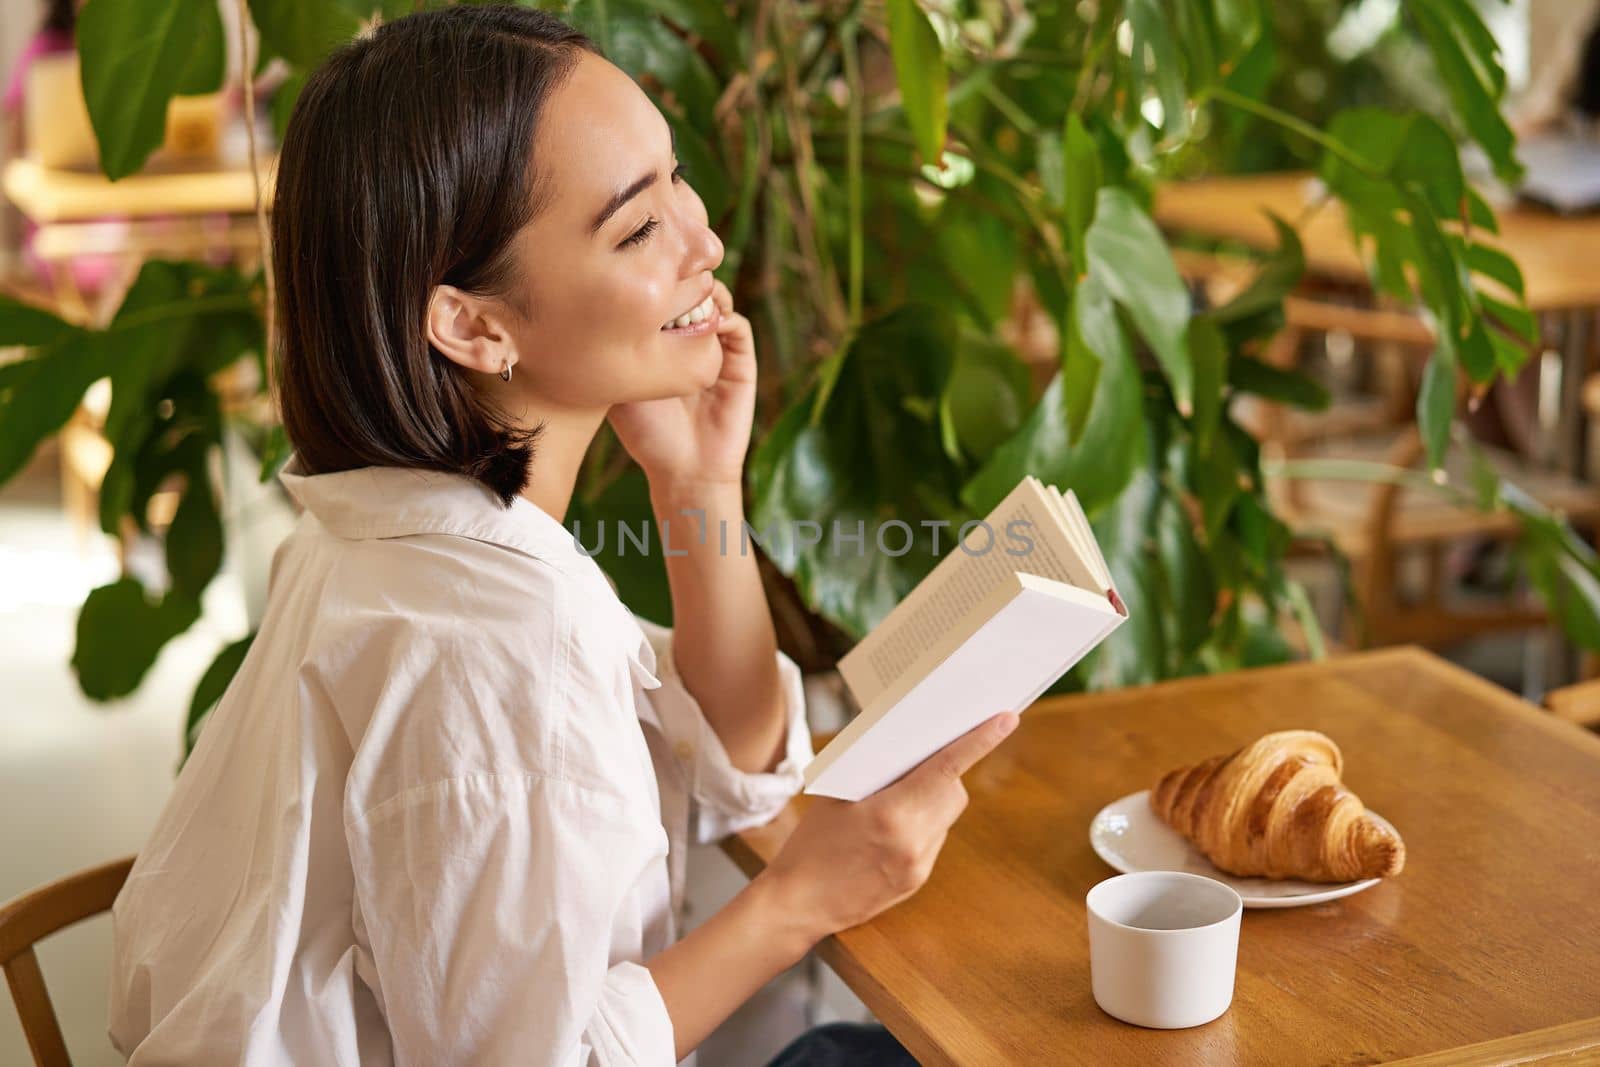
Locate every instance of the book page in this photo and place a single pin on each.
(1025, 534)
(1082, 534)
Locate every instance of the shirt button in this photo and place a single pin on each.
(684, 750)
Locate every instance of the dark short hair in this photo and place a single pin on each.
(407, 163)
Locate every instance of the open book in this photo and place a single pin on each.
(997, 621)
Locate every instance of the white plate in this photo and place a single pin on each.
(1131, 837)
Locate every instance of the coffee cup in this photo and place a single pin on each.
(1163, 947)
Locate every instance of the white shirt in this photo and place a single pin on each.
(440, 815)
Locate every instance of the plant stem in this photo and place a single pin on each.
(1009, 108)
(1360, 470)
(852, 75)
(1099, 36)
(1292, 124)
(263, 237)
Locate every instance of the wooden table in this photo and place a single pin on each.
(1555, 252)
(1491, 934)
(53, 195)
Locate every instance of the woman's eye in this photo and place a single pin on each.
(641, 235)
(678, 172)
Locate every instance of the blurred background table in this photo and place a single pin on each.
(173, 212)
(1487, 936)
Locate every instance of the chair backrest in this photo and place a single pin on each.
(34, 916)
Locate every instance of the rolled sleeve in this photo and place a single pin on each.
(631, 1023)
(725, 798)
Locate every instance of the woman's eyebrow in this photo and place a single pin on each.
(622, 196)
(619, 198)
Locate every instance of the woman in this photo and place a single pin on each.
(439, 816)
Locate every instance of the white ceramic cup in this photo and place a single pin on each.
(1163, 946)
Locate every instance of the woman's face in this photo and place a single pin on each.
(620, 249)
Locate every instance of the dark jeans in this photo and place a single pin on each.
(845, 1045)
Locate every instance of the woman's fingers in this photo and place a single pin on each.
(939, 770)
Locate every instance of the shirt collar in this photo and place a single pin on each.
(375, 502)
(378, 502)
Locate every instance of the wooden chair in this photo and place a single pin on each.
(34, 916)
(1389, 333)
(1376, 525)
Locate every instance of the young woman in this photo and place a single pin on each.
(440, 815)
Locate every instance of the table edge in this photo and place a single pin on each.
(1534, 301)
(1533, 1046)
(22, 176)
(1419, 657)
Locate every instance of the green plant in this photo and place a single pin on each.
(900, 187)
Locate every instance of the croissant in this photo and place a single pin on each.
(1276, 809)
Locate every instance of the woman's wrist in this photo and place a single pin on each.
(782, 917)
(668, 494)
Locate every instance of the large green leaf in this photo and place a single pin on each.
(702, 170)
(987, 396)
(1100, 464)
(1137, 652)
(178, 324)
(979, 253)
(1250, 77)
(1561, 567)
(137, 55)
(1468, 60)
(707, 20)
(867, 459)
(39, 393)
(194, 540)
(1257, 311)
(213, 683)
(1081, 164)
(1155, 58)
(284, 99)
(1187, 576)
(1436, 401)
(26, 324)
(637, 40)
(920, 72)
(1209, 354)
(1080, 365)
(1129, 257)
(301, 32)
(121, 630)
(1249, 375)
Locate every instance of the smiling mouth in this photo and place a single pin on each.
(699, 313)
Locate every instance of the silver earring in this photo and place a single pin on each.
(505, 370)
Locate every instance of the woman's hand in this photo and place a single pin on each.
(702, 437)
(846, 862)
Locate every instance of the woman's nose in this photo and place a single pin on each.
(705, 249)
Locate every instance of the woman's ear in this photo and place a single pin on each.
(469, 331)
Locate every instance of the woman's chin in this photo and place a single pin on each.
(695, 361)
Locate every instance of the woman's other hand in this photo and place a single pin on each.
(848, 861)
(700, 438)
